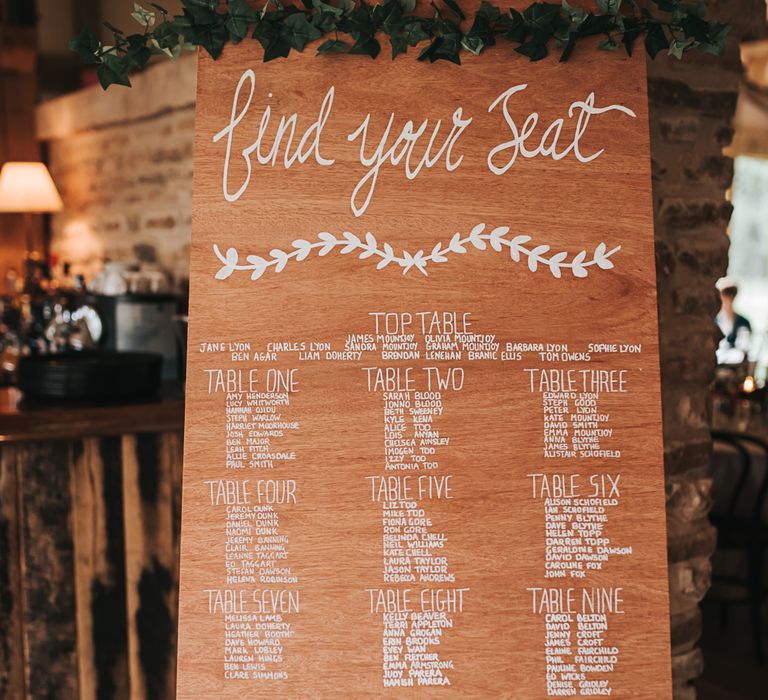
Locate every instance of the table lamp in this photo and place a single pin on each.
(27, 188)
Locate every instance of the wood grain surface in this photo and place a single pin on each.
(89, 543)
(494, 528)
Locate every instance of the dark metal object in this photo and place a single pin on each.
(91, 375)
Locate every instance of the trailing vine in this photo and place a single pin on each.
(355, 27)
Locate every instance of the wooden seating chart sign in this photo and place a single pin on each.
(423, 445)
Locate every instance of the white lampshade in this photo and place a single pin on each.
(28, 187)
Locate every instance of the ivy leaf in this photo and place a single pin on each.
(414, 32)
(277, 49)
(201, 26)
(366, 47)
(144, 17)
(715, 43)
(473, 44)
(445, 47)
(517, 30)
(269, 34)
(576, 14)
(298, 32)
(610, 7)
(678, 46)
(172, 52)
(86, 45)
(113, 71)
(333, 46)
(655, 39)
(399, 44)
(138, 53)
(166, 36)
(211, 37)
(695, 27)
(631, 33)
(481, 33)
(200, 12)
(407, 5)
(543, 16)
(569, 46)
(535, 49)
(391, 14)
(240, 16)
(325, 7)
(488, 11)
(595, 24)
(455, 9)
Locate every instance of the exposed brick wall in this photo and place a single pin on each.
(691, 109)
(123, 165)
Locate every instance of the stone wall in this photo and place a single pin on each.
(691, 111)
(123, 163)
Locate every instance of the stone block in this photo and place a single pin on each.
(679, 128)
(685, 667)
(676, 95)
(689, 497)
(685, 629)
(687, 541)
(691, 213)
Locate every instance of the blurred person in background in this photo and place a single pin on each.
(736, 329)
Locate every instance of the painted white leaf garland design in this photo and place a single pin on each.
(368, 247)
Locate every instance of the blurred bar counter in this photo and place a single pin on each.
(89, 532)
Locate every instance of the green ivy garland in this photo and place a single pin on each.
(281, 28)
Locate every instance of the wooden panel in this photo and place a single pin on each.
(47, 569)
(151, 481)
(45, 420)
(100, 569)
(313, 279)
(11, 639)
(89, 534)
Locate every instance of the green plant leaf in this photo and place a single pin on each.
(144, 17)
(281, 27)
(366, 47)
(570, 45)
(298, 32)
(455, 9)
(655, 39)
(240, 16)
(113, 71)
(86, 45)
(543, 16)
(678, 47)
(414, 32)
(166, 36)
(399, 44)
(473, 44)
(325, 7)
(200, 12)
(333, 46)
(535, 49)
